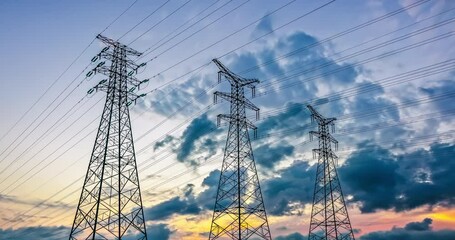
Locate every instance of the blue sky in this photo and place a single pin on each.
(389, 83)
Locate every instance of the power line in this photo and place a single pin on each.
(55, 138)
(140, 22)
(53, 127)
(344, 33)
(368, 60)
(174, 177)
(152, 27)
(365, 24)
(403, 37)
(46, 91)
(426, 70)
(241, 29)
(36, 119)
(407, 74)
(64, 72)
(175, 30)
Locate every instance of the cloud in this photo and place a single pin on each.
(285, 194)
(389, 182)
(168, 139)
(178, 205)
(294, 114)
(378, 170)
(198, 128)
(175, 98)
(36, 233)
(411, 231)
(444, 87)
(268, 156)
(206, 198)
(293, 236)
(400, 182)
(415, 231)
(263, 27)
(158, 231)
(154, 231)
(425, 225)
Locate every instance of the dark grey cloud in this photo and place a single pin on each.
(397, 182)
(425, 225)
(400, 182)
(36, 233)
(295, 114)
(292, 236)
(268, 156)
(189, 203)
(412, 231)
(198, 128)
(182, 205)
(154, 231)
(293, 185)
(159, 144)
(388, 182)
(378, 171)
(159, 231)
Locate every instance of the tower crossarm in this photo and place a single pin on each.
(315, 114)
(233, 78)
(111, 56)
(105, 70)
(113, 43)
(250, 105)
(313, 134)
(226, 96)
(224, 70)
(232, 98)
(225, 117)
(232, 119)
(251, 83)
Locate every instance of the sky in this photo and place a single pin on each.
(384, 69)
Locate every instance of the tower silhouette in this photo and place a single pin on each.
(110, 205)
(329, 216)
(239, 211)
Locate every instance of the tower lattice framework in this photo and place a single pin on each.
(110, 205)
(239, 211)
(329, 216)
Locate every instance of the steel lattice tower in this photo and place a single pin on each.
(110, 204)
(329, 216)
(239, 211)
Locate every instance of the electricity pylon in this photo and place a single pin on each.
(110, 205)
(329, 216)
(239, 211)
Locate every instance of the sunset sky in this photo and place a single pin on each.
(384, 69)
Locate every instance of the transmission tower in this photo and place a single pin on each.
(239, 211)
(110, 204)
(329, 216)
